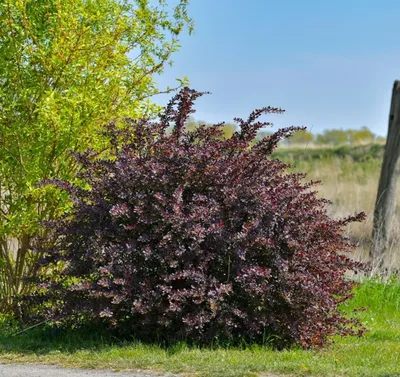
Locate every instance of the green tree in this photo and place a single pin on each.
(333, 137)
(66, 68)
(300, 137)
(362, 136)
(229, 129)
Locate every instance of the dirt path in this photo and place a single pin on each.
(35, 370)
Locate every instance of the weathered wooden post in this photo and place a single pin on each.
(386, 197)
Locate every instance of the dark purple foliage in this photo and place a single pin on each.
(185, 235)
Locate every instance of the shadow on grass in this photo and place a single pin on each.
(49, 339)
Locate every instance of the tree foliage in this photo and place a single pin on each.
(343, 137)
(67, 67)
(362, 136)
(186, 235)
(301, 137)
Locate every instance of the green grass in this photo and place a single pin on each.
(376, 354)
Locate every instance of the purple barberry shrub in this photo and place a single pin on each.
(185, 235)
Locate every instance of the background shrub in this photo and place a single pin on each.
(184, 235)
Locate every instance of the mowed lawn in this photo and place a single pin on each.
(376, 354)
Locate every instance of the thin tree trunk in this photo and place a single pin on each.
(14, 263)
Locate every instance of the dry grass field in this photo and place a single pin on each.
(349, 178)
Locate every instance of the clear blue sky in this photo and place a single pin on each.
(329, 64)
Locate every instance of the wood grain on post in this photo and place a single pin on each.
(390, 173)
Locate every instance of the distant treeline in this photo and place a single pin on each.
(357, 153)
(332, 137)
(336, 137)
